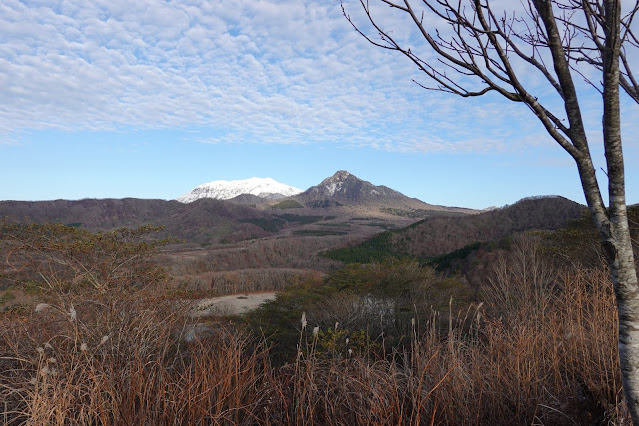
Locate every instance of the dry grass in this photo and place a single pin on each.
(552, 363)
(126, 364)
(120, 361)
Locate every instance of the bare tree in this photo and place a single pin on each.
(592, 29)
(469, 49)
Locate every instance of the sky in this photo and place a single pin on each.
(148, 99)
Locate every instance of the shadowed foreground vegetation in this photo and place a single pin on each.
(535, 344)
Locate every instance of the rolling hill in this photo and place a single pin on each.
(435, 236)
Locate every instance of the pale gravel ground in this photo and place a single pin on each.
(231, 304)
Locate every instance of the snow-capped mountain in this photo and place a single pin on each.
(225, 190)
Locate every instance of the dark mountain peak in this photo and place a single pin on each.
(341, 181)
(346, 189)
(340, 176)
(344, 185)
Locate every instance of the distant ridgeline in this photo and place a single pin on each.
(444, 235)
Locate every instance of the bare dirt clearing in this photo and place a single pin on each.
(231, 304)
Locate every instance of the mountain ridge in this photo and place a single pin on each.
(207, 220)
(266, 188)
(201, 221)
(345, 189)
(439, 235)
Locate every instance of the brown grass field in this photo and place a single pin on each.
(542, 355)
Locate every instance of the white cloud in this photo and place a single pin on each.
(266, 71)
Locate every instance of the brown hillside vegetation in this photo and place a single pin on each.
(298, 252)
(438, 235)
(536, 348)
(203, 221)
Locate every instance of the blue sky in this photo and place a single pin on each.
(151, 98)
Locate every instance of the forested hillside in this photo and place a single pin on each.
(205, 221)
(439, 235)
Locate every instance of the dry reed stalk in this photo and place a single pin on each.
(550, 362)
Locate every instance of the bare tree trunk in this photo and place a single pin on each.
(482, 46)
(624, 278)
(615, 234)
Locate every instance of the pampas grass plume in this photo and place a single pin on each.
(41, 307)
(72, 313)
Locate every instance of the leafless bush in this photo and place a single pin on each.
(521, 281)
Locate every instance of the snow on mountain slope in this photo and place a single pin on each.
(225, 190)
(345, 186)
